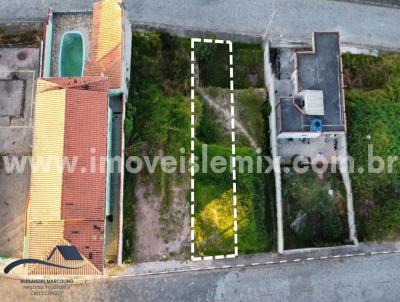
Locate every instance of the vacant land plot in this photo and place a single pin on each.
(214, 219)
(156, 213)
(314, 209)
(373, 115)
(157, 205)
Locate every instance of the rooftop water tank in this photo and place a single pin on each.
(316, 125)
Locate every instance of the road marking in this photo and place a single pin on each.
(241, 265)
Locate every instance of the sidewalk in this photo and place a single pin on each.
(169, 267)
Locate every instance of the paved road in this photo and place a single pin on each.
(281, 20)
(373, 278)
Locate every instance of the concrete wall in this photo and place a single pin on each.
(269, 82)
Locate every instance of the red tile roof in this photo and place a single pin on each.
(88, 237)
(86, 119)
(79, 217)
(107, 35)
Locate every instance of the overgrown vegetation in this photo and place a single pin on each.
(248, 65)
(158, 122)
(158, 115)
(373, 117)
(314, 210)
(213, 192)
(29, 38)
(214, 197)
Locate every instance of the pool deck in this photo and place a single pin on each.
(80, 22)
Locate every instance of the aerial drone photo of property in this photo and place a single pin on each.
(200, 150)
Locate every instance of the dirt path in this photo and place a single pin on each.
(227, 116)
(160, 232)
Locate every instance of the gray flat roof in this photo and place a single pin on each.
(318, 70)
(291, 117)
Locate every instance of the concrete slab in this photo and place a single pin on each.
(18, 69)
(324, 146)
(11, 97)
(14, 188)
(12, 59)
(17, 97)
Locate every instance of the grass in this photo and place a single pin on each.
(129, 222)
(252, 110)
(321, 217)
(248, 65)
(373, 111)
(208, 130)
(214, 208)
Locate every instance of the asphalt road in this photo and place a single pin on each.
(373, 278)
(281, 20)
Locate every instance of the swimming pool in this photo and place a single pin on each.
(72, 54)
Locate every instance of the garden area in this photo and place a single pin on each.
(314, 209)
(373, 118)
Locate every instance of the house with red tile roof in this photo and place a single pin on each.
(78, 119)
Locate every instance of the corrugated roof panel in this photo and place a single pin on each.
(68, 122)
(83, 267)
(47, 155)
(43, 236)
(88, 237)
(107, 28)
(84, 194)
(96, 83)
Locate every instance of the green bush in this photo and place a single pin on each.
(248, 64)
(324, 221)
(373, 111)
